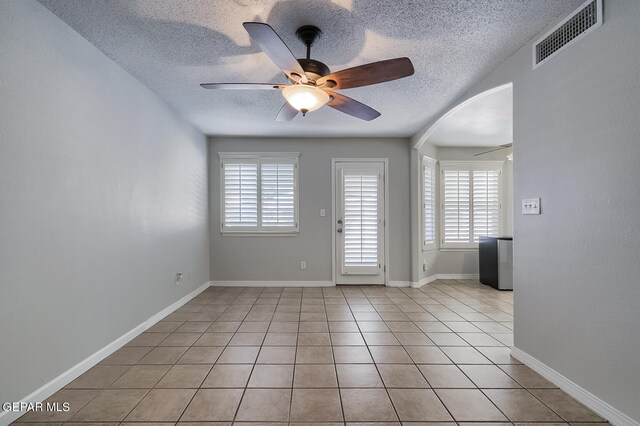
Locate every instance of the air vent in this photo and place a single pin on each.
(584, 20)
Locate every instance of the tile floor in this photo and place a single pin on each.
(323, 355)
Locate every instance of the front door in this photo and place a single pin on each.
(359, 222)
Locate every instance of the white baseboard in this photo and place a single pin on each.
(597, 405)
(399, 284)
(48, 389)
(431, 278)
(223, 283)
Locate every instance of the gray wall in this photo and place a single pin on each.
(267, 258)
(103, 195)
(576, 267)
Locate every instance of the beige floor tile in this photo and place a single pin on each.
(413, 339)
(313, 316)
(315, 376)
(445, 376)
(110, 405)
(126, 355)
(239, 355)
(447, 339)
(390, 355)
(163, 355)
(194, 327)
(526, 376)
(343, 327)
(284, 327)
(314, 355)
(418, 405)
(265, 405)
(247, 339)
(148, 339)
(316, 405)
(433, 327)
(489, 376)
(214, 339)
(180, 339)
(224, 327)
(358, 376)
(165, 327)
(479, 339)
(462, 327)
(520, 406)
(367, 405)
(271, 376)
(380, 339)
(141, 376)
(162, 405)
(98, 377)
(427, 355)
(254, 327)
(403, 327)
(568, 408)
(228, 376)
(185, 376)
(213, 405)
(351, 355)
(402, 376)
(469, 405)
(277, 355)
(466, 355)
(314, 327)
(201, 355)
(77, 399)
(280, 339)
(347, 339)
(314, 339)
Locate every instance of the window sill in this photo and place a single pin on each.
(259, 234)
(459, 249)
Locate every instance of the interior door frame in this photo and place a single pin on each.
(385, 162)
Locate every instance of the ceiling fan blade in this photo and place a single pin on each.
(506, 145)
(243, 86)
(271, 44)
(365, 75)
(352, 107)
(286, 113)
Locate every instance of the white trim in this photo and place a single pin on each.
(599, 20)
(434, 277)
(399, 284)
(425, 162)
(48, 389)
(240, 283)
(387, 218)
(597, 405)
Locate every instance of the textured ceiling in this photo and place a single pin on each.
(485, 120)
(173, 45)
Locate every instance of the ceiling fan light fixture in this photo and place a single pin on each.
(305, 98)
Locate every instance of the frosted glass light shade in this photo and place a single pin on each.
(305, 98)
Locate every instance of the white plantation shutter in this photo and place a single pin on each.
(486, 203)
(428, 202)
(277, 194)
(361, 222)
(470, 203)
(240, 195)
(259, 193)
(457, 202)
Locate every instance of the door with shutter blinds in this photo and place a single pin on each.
(359, 223)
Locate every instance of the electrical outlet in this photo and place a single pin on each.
(322, 213)
(178, 278)
(424, 267)
(531, 206)
(303, 265)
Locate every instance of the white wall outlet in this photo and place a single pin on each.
(531, 206)
(178, 278)
(303, 265)
(424, 266)
(323, 213)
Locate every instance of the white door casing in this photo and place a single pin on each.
(359, 222)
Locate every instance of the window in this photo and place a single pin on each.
(470, 202)
(259, 193)
(428, 203)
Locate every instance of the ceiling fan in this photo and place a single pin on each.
(505, 146)
(312, 83)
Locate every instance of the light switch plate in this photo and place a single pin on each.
(322, 213)
(531, 206)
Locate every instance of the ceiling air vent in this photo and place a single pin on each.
(584, 20)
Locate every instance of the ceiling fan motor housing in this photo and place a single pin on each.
(314, 69)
